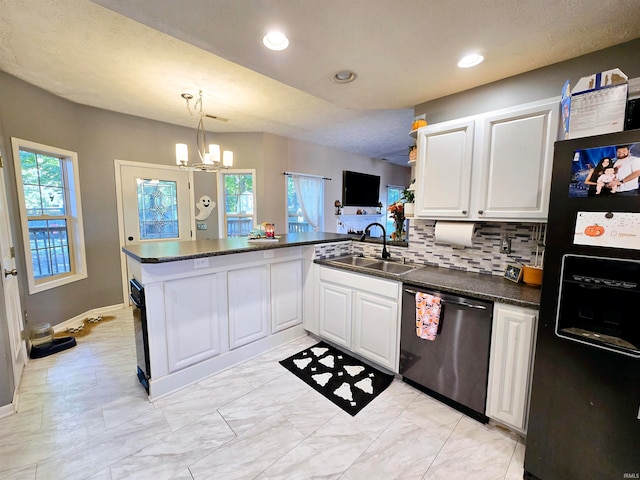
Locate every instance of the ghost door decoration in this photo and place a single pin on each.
(205, 206)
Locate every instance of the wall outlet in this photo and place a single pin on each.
(200, 262)
(505, 244)
(202, 226)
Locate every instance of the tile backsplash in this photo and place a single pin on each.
(484, 256)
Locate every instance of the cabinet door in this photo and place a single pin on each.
(335, 313)
(195, 319)
(511, 357)
(248, 305)
(286, 295)
(375, 323)
(517, 155)
(443, 176)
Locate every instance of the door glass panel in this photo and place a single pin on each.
(157, 209)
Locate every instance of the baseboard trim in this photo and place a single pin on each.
(79, 319)
(7, 410)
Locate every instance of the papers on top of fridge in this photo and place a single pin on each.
(598, 104)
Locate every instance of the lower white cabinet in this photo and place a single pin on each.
(361, 313)
(196, 319)
(248, 305)
(335, 313)
(286, 295)
(512, 347)
(375, 327)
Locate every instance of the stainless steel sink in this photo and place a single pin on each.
(368, 263)
(355, 260)
(393, 268)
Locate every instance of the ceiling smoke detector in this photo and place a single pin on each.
(344, 76)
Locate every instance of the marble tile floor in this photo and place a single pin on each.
(83, 415)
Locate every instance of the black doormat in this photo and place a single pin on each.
(344, 380)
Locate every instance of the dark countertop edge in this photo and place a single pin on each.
(482, 286)
(225, 250)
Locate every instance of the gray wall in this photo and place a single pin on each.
(531, 86)
(99, 137)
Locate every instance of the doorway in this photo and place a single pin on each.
(154, 204)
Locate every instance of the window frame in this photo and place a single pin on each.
(222, 196)
(75, 226)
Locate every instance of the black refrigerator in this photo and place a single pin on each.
(584, 418)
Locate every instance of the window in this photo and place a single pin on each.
(305, 201)
(237, 189)
(50, 214)
(394, 193)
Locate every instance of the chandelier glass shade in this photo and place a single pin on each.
(210, 160)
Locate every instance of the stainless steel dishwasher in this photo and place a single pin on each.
(454, 367)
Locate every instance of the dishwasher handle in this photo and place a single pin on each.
(461, 303)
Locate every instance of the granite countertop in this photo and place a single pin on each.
(173, 251)
(476, 285)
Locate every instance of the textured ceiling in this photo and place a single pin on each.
(137, 57)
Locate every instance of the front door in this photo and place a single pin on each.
(154, 204)
(10, 289)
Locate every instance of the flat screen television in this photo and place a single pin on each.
(360, 189)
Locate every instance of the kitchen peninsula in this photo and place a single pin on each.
(211, 304)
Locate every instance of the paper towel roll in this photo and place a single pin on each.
(455, 233)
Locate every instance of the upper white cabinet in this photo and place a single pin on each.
(494, 166)
(512, 347)
(443, 178)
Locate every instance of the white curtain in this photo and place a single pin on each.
(310, 193)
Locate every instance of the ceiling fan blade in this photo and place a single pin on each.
(222, 119)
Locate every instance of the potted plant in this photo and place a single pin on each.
(408, 198)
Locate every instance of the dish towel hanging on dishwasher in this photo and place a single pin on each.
(427, 315)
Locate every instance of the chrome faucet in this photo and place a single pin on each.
(385, 254)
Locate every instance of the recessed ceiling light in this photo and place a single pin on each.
(275, 41)
(344, 76)
(471, 60)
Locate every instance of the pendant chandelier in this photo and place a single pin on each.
(210, 161)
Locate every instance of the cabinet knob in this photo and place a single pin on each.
(480, 212)
(464, 212)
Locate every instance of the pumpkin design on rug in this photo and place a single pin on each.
(341, 378)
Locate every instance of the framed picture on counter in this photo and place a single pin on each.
(513, 273)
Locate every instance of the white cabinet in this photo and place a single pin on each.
(375, 325)
(361, 313)
(443, 177)
(493, 166)
(286, 295)
(196, 319)
(335, 313)
(511, 358)
(248, 305)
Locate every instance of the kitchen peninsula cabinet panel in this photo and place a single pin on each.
(248, 305)
(444, 169)
(196, 319)
(286, 295)
(512, 346)
(493, 166)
